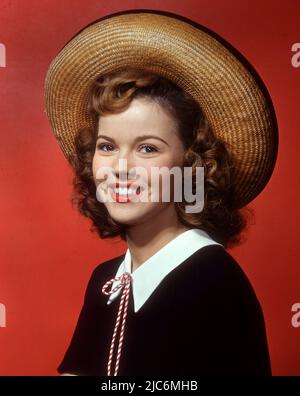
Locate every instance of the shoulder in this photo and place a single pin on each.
(222, 291)
(228, 314)
(218, 265)
(215, 270)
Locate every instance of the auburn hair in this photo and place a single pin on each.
(112, 93)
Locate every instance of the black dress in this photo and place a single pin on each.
(203, 319)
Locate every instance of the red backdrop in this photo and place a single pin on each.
(47, 252)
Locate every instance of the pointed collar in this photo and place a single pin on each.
(148, 275)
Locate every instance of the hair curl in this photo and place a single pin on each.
(112, 93)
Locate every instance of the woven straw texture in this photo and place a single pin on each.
(228, 93)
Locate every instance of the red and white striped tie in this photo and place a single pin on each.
(125, 279)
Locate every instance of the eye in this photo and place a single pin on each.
(104, 146)
(153, 149)
(101, 145)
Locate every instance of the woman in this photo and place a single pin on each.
(184, 304)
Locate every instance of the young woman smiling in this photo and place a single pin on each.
(181, 303)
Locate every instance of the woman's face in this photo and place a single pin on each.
(126, 136)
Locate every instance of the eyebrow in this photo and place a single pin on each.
(137, 139)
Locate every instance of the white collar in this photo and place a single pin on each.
(148, 275)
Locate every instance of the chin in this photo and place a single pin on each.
(128, 216)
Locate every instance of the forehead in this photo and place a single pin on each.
(141, 117)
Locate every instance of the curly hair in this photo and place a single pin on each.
(112, 93)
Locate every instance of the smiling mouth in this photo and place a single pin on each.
(124, 194)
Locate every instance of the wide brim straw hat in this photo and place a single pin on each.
(230, 92)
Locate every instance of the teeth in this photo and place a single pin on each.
(123, 191)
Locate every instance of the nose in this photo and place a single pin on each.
(122, 165)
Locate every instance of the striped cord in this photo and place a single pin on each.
(125, 279)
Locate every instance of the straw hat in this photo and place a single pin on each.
(229, 91)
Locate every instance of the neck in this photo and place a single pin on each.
(144, 240)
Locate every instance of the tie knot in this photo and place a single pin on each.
(124, 279)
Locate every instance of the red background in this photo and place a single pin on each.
(47, 252)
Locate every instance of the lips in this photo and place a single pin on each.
(119, 195)
(123, 192)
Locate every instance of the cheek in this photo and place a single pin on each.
(155, 176)
(97, 164)
(166, 183)
(178, 157)
(167, 162)
(94, 166)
